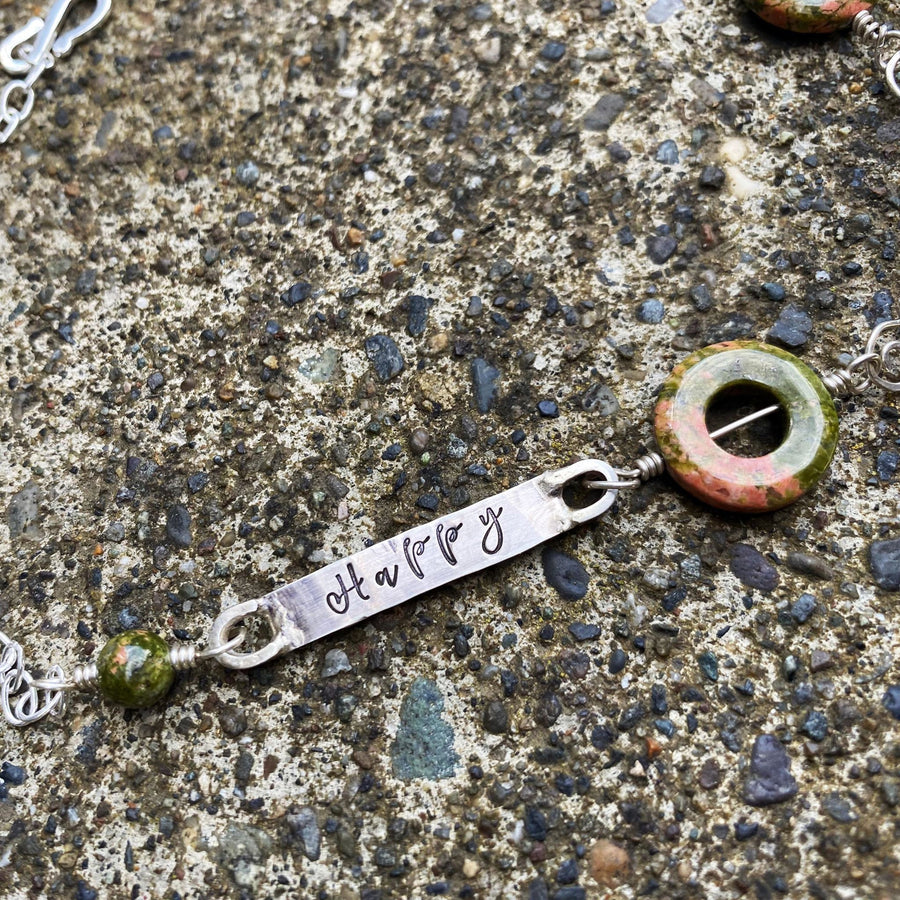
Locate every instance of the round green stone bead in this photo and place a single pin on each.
(736, 483)
(808, 16)
(134, 669)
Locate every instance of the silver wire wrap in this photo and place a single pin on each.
(879, 365)
(646, 467)
(23, 698)
(877, 35)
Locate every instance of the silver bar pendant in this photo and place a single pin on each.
(419, 560)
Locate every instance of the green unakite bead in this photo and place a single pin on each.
(134, 669)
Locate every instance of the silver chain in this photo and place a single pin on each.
(32, 49)
(878, 364)
(22, 697)
(879, 35)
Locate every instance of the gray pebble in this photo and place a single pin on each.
(815, 725)
(495, 718)
(662, 10)
(247, 173)
(385, 356)
(886, 464)
(712, 177)
(564, 573)
(336, 661)
(701, 297)
(770, 778)
(652, 312)
(417, 317)
(884, 558)
(115, 532)
(178, 526)
(553, 51)
(604, 112)
(23, 513)
(891, 701)
(582, 631)
(792, 328)
(773, 291)
(810, 565)
(660, 248)
(484, 384)
(803, 607)
(667, 153)
(305, 826)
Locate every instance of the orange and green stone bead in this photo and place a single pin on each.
(737, 483)
(808, 16)
(134, 669)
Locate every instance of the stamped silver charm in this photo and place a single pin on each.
(425, 557)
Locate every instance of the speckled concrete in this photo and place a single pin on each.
(211, 212)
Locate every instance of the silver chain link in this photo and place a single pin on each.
(23, 698)
(878, 35)
(878, 364)
(32, 49)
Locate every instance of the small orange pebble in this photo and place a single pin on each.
(98, 549)
(654, 748)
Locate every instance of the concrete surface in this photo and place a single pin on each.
(213, 209)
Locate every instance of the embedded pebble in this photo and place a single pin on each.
(770, 780)
(803, 607)
(891, 701)
(484, 384)
(385, 356)
(305, 825)
(423, 747)
(23, 513)
(564, 573)
(178, 526)
(604, 112)
(884, 559)
(336, 661)
(792, 328)
(752, 568)
(651, 312)
(247, 173)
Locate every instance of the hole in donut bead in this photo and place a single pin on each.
(753, 439)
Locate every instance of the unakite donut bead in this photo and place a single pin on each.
(808, 16)
(134, 669)
(745, 484)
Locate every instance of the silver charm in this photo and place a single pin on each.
(32, 49)
(425, 557)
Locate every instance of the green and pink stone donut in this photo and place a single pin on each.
(808, 16)
(736, 483)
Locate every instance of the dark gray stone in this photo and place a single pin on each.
(792, 328)
(178, 526)
(604, 112)
(712, 177)
(891, 701)
(564, 573)
(803, 607)
(581, 631)
(652, 312)
(815, 725)
(752, 569)
(770, 778)
(884, 558)
(417, 315)
(484, 384)
(385, 356)
(660, 248)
